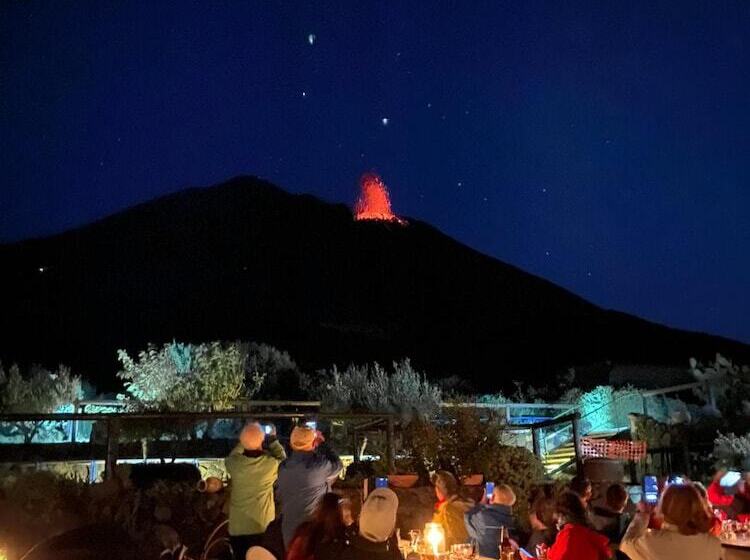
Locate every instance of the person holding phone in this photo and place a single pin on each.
(484, 520)
(685, 533)
(253, 472)
(304, 478)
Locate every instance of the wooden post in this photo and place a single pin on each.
(113, 438)
(577, 442)
(355, 450)
(536, 444)
(390, 452)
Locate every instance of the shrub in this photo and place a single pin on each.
(731, 385)
(370, 388)
(465, 442)
(731, 450)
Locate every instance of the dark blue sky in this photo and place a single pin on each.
(602, 145)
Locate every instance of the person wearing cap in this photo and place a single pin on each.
(450, 508)
(253, 472)
(483, 521)
(304, 478)
(377, 524)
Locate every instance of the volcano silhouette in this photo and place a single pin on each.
(246, 260)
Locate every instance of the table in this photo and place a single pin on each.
(736, 550)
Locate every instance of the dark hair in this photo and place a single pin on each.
(580, 484)
(617, 496)
(325, 525)
(570, 509)
(544, 508)
(446, 483)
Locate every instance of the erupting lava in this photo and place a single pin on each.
(373, 202)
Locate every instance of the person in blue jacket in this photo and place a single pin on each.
(304, 478)
(484, 520)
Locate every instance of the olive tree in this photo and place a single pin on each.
(38, 390)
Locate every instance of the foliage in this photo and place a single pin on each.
(606, 408)
(731, 450)
(38, 391)
(730, 383)
(465, 441)
(181, 377)
(43, 503)
(371, 388)
(280, 374)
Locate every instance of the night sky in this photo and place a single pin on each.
(602, 145)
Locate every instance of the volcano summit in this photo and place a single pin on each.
(247, 260)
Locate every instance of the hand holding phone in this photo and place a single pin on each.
(489, 488)
(650, 489)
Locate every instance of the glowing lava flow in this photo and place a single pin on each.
(373, 202)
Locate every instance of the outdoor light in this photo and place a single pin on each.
(434, 535)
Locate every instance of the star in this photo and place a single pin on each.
(385, 121)
(311, 38)
(429, 105)
(547, 253)
(544, 189)
(304, 94)
(460, 184)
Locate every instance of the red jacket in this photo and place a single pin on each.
(576, 542)
(717, 496)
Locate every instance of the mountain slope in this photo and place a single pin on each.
(247, 260)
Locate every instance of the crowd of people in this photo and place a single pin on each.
(315, 524)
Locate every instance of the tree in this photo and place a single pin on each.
(280, 374)
(38, 391)
(185, 376)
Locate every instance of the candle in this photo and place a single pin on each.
(434, 534)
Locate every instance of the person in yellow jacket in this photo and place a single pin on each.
(450, 508)
(253, 471)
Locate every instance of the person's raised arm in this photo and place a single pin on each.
(275, 449)
(636, 530)
(333, 462)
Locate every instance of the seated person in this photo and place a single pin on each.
(377, 524)
(576, 539)
(483, 520)
(582, 486)
(323, 537)
(542, 522)
(450, 508)
(610, 519)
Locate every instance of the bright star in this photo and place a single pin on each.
(311, 38)
(384, 120)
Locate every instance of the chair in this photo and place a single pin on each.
(259, 553)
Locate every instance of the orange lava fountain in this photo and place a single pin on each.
(373, 202)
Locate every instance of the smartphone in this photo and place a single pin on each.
(730, 479)
(525, 553)
(381, 482)
(650, 489)
(267, 429)
(312, 425)
(675, 479)
(489, 488)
